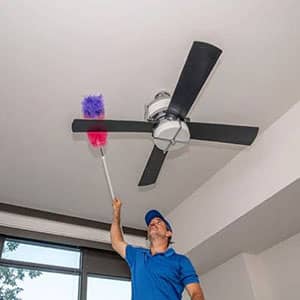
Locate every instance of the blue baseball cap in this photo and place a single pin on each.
(151, 214)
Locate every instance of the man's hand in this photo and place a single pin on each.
(117, 204)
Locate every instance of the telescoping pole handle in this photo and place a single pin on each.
(107, 174)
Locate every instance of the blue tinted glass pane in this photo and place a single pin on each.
(26, 252)
(108, 289)
(37, 285)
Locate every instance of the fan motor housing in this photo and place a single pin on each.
(171, 135)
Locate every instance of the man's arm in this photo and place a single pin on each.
(116, 235)
(195, 291)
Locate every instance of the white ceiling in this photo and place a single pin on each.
(53, 53)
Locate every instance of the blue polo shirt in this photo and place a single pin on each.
(162, 276)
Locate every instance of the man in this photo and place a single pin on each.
(158, 273)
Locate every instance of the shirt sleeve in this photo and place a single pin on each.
(130, 255)
(188, 273)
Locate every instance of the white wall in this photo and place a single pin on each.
(282, 263)
(229, 281)
(259, 277)
(274, 274)
(64, 229)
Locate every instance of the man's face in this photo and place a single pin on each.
(158, 228)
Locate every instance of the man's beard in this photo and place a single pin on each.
(155, 235)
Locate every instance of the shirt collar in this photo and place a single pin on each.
(168, 252)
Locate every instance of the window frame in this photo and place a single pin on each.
(93, 262)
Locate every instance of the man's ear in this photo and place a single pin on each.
(169, 233)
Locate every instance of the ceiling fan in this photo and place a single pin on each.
(166, 116)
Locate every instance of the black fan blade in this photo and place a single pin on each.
(83, 125)
(199, 63)
(153, 167)
(243, 135)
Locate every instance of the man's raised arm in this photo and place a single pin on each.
(116, 235)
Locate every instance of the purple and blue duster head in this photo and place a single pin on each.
(93, 108)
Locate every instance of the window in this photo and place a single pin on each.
(29, 270)
(26, 284)
(108, 289)
(33, 270)
(40, 254)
